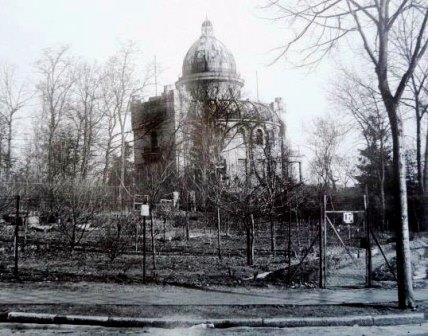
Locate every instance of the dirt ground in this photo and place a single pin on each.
(190, 262)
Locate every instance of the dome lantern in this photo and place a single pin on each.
(207, 28)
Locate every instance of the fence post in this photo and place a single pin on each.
(321, 261)
(16, 237)
(144, 248)
(368, 246)
(218, 233)
(325, 242)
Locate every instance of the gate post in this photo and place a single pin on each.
(323, 244)
(144, 249)
(321, 261)
(16, 238)
(368, 245)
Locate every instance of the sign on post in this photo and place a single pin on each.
(141, 205)
(348, 217)
(145, 210)
(175, 197)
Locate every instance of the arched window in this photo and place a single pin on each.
(154, 141)
(258, 140)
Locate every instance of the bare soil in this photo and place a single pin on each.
(189, 262)
(192, 262)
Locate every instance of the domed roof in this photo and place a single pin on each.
(258, 111)
(208, 54)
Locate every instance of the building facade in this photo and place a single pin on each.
(204, 122)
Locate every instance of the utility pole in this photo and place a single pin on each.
(16, 237)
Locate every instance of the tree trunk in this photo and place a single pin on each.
(382, 185)
(382, 190)
(419, 154)
(106, 161)
(425, 200)
(9, 149)
(383, 203)
(404, 268)
(404, 272)
(122, 167)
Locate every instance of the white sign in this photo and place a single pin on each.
(145, 210)
(175, 196)
(348, 217)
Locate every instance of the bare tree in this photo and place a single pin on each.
(212, 125)
(363, 103)
(321, 25)
(54, 87)
(13, 97)
(76, 206)
(324, 142)
(85, 113)
(123, 84)
(117, 234)
(420, 106)
(414, 96)
(425, 173)
(107, 140)
(156, 184)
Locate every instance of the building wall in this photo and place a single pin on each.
(153, 125)
(167, 115)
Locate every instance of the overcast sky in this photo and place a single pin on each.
(167, 28)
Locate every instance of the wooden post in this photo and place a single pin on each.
(289, 246)
(321, 249)
(247, 233)
(298, 229)
(136, 235)
(186, 218)
(218, 233)
(368, 246)
(272, 235)
(164, 229)
(252, 238)
(144, 248)
(325, 242)
(152, 239)
(16, 238)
